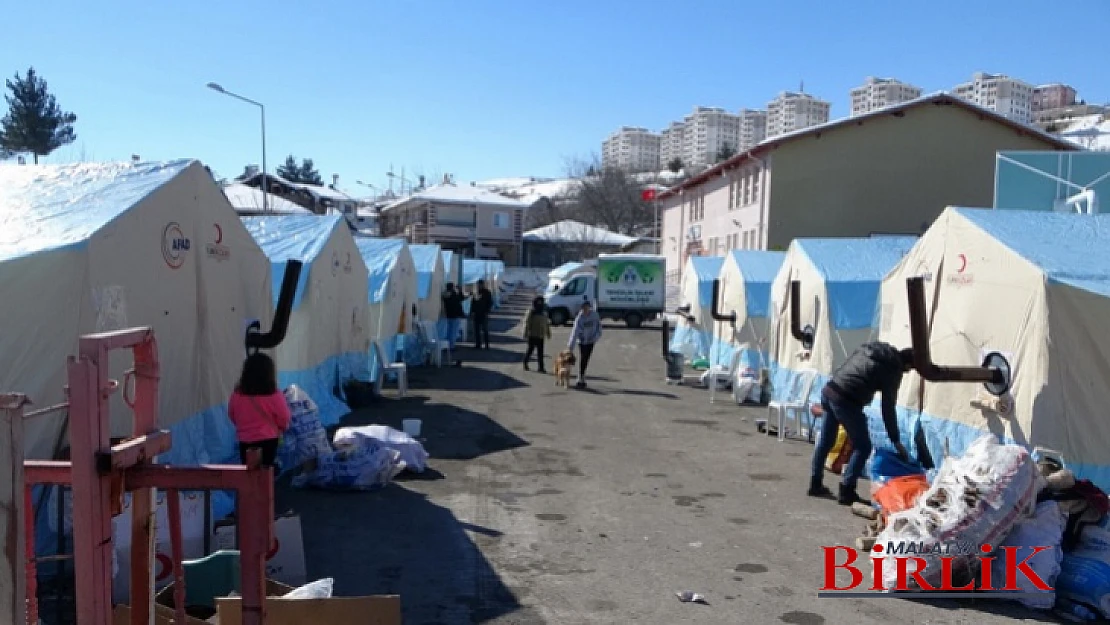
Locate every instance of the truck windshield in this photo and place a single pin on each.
(576, 286)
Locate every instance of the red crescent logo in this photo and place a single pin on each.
(963, 263)
(219, 234)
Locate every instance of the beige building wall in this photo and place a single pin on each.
(891, 175)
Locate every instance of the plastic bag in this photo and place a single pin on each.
(412, 452)
(362, 464)
(887, 464)
(1045, 529)
(306, 438)
(900, 493)
(1085, 573)
(840, 453)
(976, 499)
(319, 589)
(723, 383)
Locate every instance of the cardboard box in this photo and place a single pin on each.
(287, 563)
(121, 615)
(374, 610)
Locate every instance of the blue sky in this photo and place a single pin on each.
(488, 88)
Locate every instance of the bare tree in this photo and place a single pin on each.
(612, 198)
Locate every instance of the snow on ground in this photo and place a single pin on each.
(1088, 131)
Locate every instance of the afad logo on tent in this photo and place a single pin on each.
(216, 249)
(961, 277)
(175, 245)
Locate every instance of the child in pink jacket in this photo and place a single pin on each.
(258, 409)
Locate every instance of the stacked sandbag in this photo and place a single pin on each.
(975, 499)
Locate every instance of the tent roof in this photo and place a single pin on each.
(759, 269)
(707, 269)
(380, 256)
(570, 231)
(757, 265)
(246, 198)
(424, 257)
(452, 194)
(1039, 237)
(48, 207)
(291, 237)
(855, 259)
(473, 270)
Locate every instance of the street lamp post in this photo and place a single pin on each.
(265, 182)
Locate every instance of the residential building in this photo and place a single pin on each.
(567, 240)
(1010, 97)
(753, 128)
(670, 144)
(877, 93)
(468, 220)
(792, 111)
(886, 172)
(1054, 96)
(632, 149)
(705, 132)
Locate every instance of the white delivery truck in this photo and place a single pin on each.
(621, 287)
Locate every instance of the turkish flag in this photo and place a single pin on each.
(648, 195)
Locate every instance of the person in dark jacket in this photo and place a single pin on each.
(480, 308)
(452, 312)
(873, 368)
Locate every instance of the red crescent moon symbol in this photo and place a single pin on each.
(963, 263)
(219, 233)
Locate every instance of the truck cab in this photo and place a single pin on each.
(566, 298)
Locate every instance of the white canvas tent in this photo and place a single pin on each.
(693, 337)
(452, 267)
(1034, 286)
(328, 338)
(745, 284)
(391, 289)
(839, 282)
(430, 279)
(98, 247)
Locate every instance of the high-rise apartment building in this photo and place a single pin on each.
(670, 144)
(631, 148)
(1007, 96)
(877, 93)
(1054, 96)
(753, 128)
(792, 111)
(706, 131)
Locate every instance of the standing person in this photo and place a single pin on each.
(258, 409)
(586, 332)
(537, 328)
(480, 308)
(452, 312)
(874, 367)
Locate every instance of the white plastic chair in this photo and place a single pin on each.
(435, 345)
(398, 368)
(716, 375)
(795, 405)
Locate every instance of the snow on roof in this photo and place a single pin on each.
(507, 184)
(324, 193)
(247, 199)
(45, 207)
(454, 194)
(1088, 131)
(292, 237)
(1083, 263)
(570, 231)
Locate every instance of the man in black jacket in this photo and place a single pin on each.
(480, 308)
(874, 367)
(453, 312)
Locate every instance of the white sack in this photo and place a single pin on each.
(1044, 529)
(412, 452)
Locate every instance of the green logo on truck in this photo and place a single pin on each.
(630, 273)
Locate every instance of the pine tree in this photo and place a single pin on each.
(725, 152)
(675, 165)
(309, 175)
(34, 122)
(305, 173)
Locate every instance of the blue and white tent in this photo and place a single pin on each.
(839, 280)
(694, 336)
(1033, 285)
(746, 279)
(106, 246)
(430, 278)
(452, 267)
(328, 335)
(391, 289)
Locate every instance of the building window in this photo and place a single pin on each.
(731, 193)
(501, 220)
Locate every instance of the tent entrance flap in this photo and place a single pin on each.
(995, 373)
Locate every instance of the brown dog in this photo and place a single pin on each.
(564, 365)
